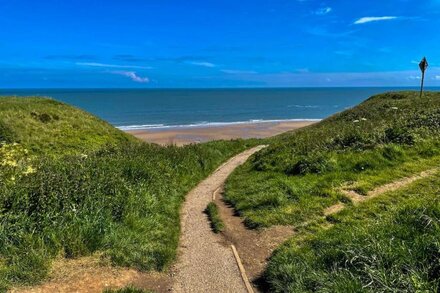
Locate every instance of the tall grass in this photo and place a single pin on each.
(120, 197)
(390, 244)
(387, 137)
(217, 224)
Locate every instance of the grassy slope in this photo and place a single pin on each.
(46, 126)
(97, 190)
(389, 244)
(300, 174)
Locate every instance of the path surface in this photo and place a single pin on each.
(395, 185)
(206, 263)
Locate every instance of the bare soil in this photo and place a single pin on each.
(90, 275)
(254, 246)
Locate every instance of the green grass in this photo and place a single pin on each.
(387, 137)
(388, 244)
(217, 224)
(93, 192)
(49, 127)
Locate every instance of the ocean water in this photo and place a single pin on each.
(165, 108)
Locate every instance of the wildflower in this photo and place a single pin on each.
(364, 119)
(29, 170)
(394, 108)
(356, 121)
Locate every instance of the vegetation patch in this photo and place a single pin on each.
(387, 137)
(389, 244)
(217, 224)
(91, 188)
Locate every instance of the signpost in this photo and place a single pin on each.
(423, 66)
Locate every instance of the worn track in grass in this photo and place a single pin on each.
(206, 263)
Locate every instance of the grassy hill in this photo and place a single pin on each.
(46, 126)
(302, 173)
(72, 185)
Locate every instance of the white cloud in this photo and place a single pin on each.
(413, 77)
(368, 19)
(323, 11)
(437, 77)
(132, 75)
(202, 63)
(233, 71)
(94, 64)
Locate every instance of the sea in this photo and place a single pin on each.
(132, 109)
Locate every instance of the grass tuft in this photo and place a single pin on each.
(217, 224)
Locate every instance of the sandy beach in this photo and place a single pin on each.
(182, 136)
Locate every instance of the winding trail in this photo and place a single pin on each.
(206, 263)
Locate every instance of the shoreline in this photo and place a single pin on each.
(161, 127)
(203, 133)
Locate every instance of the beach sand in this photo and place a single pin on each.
(182, 136)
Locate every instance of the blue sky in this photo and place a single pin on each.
(223, 43)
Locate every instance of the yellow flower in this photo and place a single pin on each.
(29, 170)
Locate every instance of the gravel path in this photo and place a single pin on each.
(205, 263)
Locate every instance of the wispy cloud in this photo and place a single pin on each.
(413, 77)
(132, 75)
(202, 63)
(323, 11)
(94, 64)
(437, 77)
(83, 57)
(233, 71)
(368, 19)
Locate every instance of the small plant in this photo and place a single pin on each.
(6, 134)
(217, 224)
(399, 135)
(317, 164)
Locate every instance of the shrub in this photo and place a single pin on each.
(6, 134)
(314, 164)
(399, 135)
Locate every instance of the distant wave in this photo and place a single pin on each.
(304, 106)
(208, 124)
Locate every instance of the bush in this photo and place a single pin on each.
(315, 164)
(6, 134)
(399, 135)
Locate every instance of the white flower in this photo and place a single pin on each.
(356, 121)
(364, 119)
(394, 108)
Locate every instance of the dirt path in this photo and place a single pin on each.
(358, 198)
(89, 274)
(206, 263)
(254, 246)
